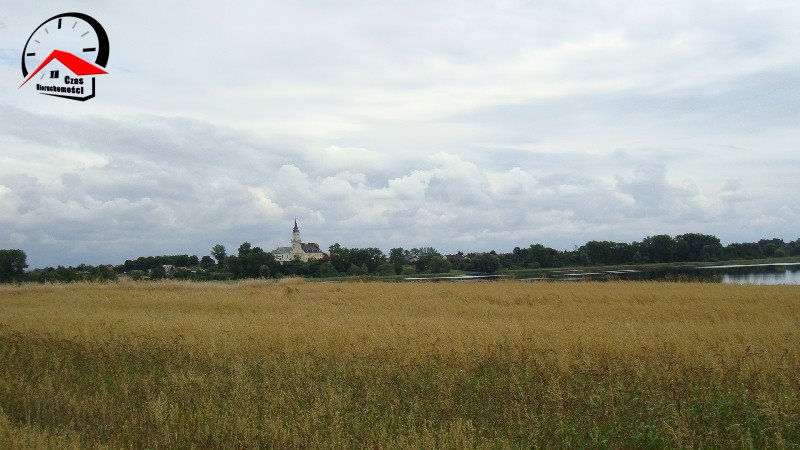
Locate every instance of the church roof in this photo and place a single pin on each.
(308, 247)
(311, 247)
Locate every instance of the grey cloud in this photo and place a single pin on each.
(146, 201)
(28, 191)
(650, 191)
(752, 103)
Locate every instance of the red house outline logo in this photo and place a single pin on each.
(77, 66)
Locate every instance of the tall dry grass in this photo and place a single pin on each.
(505, 364)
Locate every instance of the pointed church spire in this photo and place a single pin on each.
(296, 247)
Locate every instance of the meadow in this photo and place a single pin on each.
(354, 365)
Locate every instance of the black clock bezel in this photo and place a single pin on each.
(102, 38)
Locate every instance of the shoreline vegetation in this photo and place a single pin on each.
(299, 364)
(509, 274)
(249, 262)
(503, 273)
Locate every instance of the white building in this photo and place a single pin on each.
(298, 250)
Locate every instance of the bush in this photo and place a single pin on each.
(440, 265)
(409, 270)
(355, 270)
(385, 269)
(137, 274)
(326, 269)
(486, 263)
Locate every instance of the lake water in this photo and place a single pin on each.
(759, 274)
(762, 274)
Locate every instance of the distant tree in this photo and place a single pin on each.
(439, 264)
(61, 273)
(137, 274)
(342, 258)
(792, 248)
(233, 264)
(12, 264)
(186, 274)
(295, 267)
(744, 250)
(545, 256)
(219, 253)
(149, 262)
(264, 271)
(458, 261)
(486, 263)
(697, 247)
(770, 246)
(355, 270)
(658, 249)
(244, 249)
(583, 258)
(408, 270)
(101, 273)
(423, 257)
(386, 269)
(326, 269)
(708, 253)
(220, 276)
(249, 260)
(207, 262)
(158, 273)
(397, 259)
(608, 252)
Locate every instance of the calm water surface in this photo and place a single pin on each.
(763, 274)
(759, 274)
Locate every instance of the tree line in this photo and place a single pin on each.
(662, 248)
(254, 262)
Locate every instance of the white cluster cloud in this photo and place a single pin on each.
(155, 185)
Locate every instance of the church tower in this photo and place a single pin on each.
(296, 247)
(298, 251)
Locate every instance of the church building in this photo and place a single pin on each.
(298, 250)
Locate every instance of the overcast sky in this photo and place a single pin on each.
(459, 125)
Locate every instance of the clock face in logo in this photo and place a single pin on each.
(72, 32)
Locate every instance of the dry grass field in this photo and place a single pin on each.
(505, 364)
